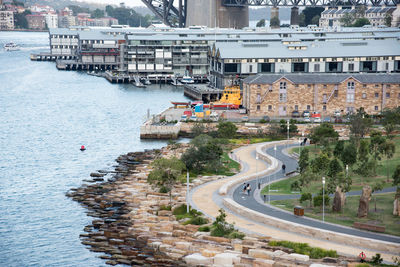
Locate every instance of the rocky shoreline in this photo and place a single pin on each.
(130, 227)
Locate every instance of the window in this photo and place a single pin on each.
(324, 98)
(386, 66)
(335, 93)
(282, 97)
(282, 85)
(387, 95)
(258, 107)
(350, 86)
(251, 68)
(258, 86)
(376, 85)
(296, 85)
(325, 85)
(376, 108)
(364, 95)
(388, 85)
(270, 89)
(269, 107)
(398, 96)
(351, 67)
(308, 107)
(296, 107)
(309, 85)
(316, 68)
(376, 95)
(364, 85)
(324, 107)
(350, 97)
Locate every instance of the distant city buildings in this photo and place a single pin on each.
(36, 22)
(377, 16)
(6, 20)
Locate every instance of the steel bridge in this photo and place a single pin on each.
(166, 11)
(312, 3)
(173, 12)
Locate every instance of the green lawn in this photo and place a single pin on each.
(383, 216)
(384, 166)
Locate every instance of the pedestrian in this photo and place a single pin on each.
(248, 189)
(283, 168)
(305, 141)
(244, 188)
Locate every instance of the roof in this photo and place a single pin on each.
(338, 48)
(325, 78)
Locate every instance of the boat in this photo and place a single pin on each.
(93, 73)
(231, 98)
(147, 81)
(187, 80)
(11, 47)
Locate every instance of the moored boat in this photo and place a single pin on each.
(11, 47)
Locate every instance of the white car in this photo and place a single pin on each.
(307, 119)
(317, 119)
(337, 113)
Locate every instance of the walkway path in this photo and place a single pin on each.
(207, 199)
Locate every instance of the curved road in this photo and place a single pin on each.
(291, 165)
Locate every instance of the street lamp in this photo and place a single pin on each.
(347, 170)
(287, 131)
(269, 180)
(323, 199)
(187, 191)
(258, 184)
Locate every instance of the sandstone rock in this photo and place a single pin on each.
(329, 260)
(338, 200)
(216, 239)
(298, 257)
(208, 253)
(226, 259)
(363, 207)
(186, 246)
(247, 260)
(197, 259)
(278, 253)
(263, 263)
(261, 253)
(320, 265)
(396, 203)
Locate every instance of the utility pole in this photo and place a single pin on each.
(187, 191)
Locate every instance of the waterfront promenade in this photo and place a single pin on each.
(207, 199)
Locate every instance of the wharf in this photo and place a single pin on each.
(122, 77)
(46, 56)
(202, 92)
(76, 65)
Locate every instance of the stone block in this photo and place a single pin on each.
(263, 263)
(298, 257)
(208, 253)
(320, 265)
(278, 253)
(246, 260)
(186, 246)
(216, 239)
(261, 253)
(226, 259)
(197, 259)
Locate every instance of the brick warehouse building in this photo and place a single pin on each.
(281, 94)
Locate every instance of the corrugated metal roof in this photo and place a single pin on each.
(311, 78)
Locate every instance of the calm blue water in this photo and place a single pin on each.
(45, 116)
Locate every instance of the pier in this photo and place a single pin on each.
(50, 57)
(202, 92)
(76, 65)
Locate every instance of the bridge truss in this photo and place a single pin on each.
(313, 3)
(166, 11)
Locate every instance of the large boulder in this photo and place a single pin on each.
(197, 259)
(363, 207)
(338, 200)
(226, 259)
(396, 203)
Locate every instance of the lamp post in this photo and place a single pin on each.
(269, 180)
(347, 170)
(187, 191)
(323, 199)
(288, 126)
(258, 184)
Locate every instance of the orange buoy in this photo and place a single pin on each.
(83, 148)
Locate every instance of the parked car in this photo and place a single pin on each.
(295, 114)
(317, 119)
(327, 119)
(245, 118)
(307, 119)
(338, 120)
(337, 113)
(265, 119)
(306, 113)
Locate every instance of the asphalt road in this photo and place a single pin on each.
(291, 165)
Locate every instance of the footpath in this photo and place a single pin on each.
(210, 197)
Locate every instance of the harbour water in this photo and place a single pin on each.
(45, 116)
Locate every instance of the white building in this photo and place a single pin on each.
(51, 20)
(6, 20)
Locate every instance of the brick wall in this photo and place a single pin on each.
(318, 97)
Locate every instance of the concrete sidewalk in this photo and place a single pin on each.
(206, 199)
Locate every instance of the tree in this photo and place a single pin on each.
(20, 19)
(166, 173)
(363, 151)
(317, 201)
(377, 144)
(334, 168)
(339, 147)
(226, 129)
(340, 180)
(292, 126)
(97, 13)
(261, 23)
(361, 22)
(377, 187)
(396, 177)
(388, 19)
(128, 16)
(349, 155)
(360, 124)
(198, 129)
(306, 196)
(324, 134)
(77, 9)
(320, 164)
(315, 20)
(389, 148)
(347, 19)
(360, 11)
(302, 20)
(304, 160)
(391, 120)
(275, 22)
(310, 13)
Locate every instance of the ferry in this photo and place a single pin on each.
(11, 47)
(231, 98)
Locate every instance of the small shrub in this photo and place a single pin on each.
(164, 189)
(205, 228)
(317, 201)
(377, 260)
(236, 235)
(181, 210)
(197, 221)
(295, 186)
(164, 207)
(262, 121)
(305, 249)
